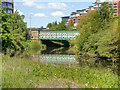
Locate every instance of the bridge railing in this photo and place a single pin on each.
(58, 35)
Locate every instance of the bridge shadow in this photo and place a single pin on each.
(56, 43)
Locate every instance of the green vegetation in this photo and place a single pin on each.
(60, 26)
(34, 44)
(96, 42)
(14, 31)
(20, 73)
(98, 34)
(15, 35)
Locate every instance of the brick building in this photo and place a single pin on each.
(76, 16)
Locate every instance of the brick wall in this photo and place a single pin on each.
(35, 34)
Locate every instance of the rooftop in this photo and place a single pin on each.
(65, 16)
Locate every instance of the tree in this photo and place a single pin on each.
(106, 11)
(41, 27)
(14, 31)
(49, 25)
(62, 26)
(92, 24)
(70, 25)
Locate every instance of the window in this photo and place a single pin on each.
(78, 20)
(74, 20)
(3, 4)
(90, 8)
(9, 11)
(115, 3)
(10, 5)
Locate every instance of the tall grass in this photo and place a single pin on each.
(21, 73)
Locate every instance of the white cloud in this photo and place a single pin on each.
(57, 6)
(21, 13)
(41, 15)
(54, 6)
(57, 14)
(29, 3)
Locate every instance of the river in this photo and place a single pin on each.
(61, 56)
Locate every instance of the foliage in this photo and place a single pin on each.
(98, 33)
(60, 26)
(14, 31)
(20, 73)
(29, 44)
(41, 27)
(70, 25)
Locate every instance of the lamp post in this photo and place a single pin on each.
(30, 21)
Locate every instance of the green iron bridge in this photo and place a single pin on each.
(58, 35)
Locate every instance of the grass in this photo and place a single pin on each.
(21, 73)
(34, 44)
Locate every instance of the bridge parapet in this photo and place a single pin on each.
(58, 35)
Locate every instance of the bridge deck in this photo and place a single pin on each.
(58, 35)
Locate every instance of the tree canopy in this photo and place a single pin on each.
(14, 31)
(96, 35)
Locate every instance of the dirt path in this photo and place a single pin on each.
(60, 83)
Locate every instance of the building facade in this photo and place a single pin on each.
(9, 4)
(66, 19)
(76, 16)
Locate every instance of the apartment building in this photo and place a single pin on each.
(9, 4)
(66, 19)
(118, 8)
(75, 16)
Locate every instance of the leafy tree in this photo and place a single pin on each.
(106, 11)
(57, 26)
(55, 23)
(70, 25)
(14, 31)
(41, 27)
(97, 21)
(62, 26)
(49, 25)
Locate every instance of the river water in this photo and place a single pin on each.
(61, 56)
(50, 55)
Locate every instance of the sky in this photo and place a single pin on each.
(43, 12)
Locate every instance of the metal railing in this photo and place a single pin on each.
(58, 35)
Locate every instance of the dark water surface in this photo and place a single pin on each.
(50, 55)
(61, 56)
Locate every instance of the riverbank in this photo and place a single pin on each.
(22, 73)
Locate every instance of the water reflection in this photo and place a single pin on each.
(58, 59)
(61, 56)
